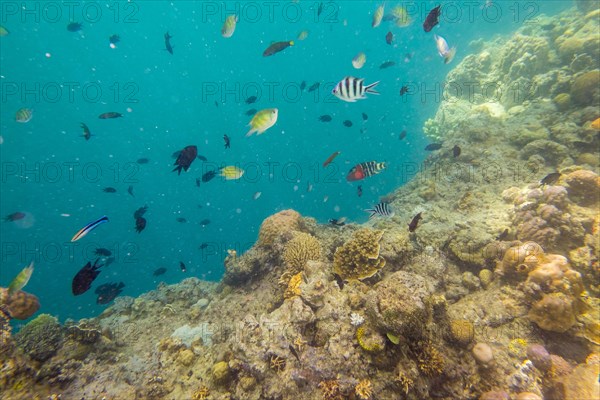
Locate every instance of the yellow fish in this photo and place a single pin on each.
(401, 16)
(302, 35)
(3, 31)
(359, 60)
(229, 26)
(231, 172)
(24, 115)
(21, 280)
(596, 124)
(378, 16)
(262, 120)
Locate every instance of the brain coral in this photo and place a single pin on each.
(302, 248)
(272, 228)
(359, 257)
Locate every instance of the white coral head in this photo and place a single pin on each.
(356, 319)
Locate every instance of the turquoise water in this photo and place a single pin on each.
(168, 101)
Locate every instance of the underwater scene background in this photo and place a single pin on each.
(464, 266)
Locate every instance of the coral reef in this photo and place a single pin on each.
(359, 257)
(300, 249)
(40, 338)
(18, 305)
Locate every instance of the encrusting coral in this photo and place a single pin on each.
(359, 257)
(300, 249)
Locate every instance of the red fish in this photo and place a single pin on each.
(185, 159)
(330, 158)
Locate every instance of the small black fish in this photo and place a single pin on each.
(216, 104)
(403, 90)
(168, 43)
(550, 179)
(110, 115)
(325, 118)
(109, 190)
(140, 212)
(205, 222)
(432, 19)
(320, 9)
(203, 246)
(389, 38)
(402, 135)
(208, 176)
(276, 47)
(15, 216)
(295, 353)
(251, 111)
(415, 221)
(503, 235)
(338, 222)
(142, 161)
(114, 39)
(198, 182)
(86, 131)
(456, 151)
(103, 252)
(347, 123)
(108, 292)
(159, 271)
(314, 87)
(74, 27)
(387, 64)
(181, 220)
(359, 191)
(84, 278)
(433, 146)
(130, 190)
(202, 158)
(182, 266)
(251, 100)
(365, 117)
(339, 281)
(227, 141)
(185, 159)
(303, 85)
(140, 224)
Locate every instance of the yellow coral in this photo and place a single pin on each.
(359, 257)
(486, 276)
(518, 347)
(430, 361)
(302, 248)
(293, 288)
(364, 389)
(201, 394)
(405, 382)
(277, 363)
(368, 339)
(462, 331)
(276, 225)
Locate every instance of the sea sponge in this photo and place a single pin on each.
(359, 257)
(554, 312)
(273, 227)
(462, 331)
(369, 339)
(20, 305)
(585, 89)
(41, 337)
(518, 261)
(302, 248)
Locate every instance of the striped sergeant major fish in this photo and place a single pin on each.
(351, 89)
(382, 209)
(364, 170)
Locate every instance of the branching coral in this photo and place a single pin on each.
(277, 363)
(276, 225)
(331, 389)
(359, 257)
(201, 394)
(364, 389)
(302, 248)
